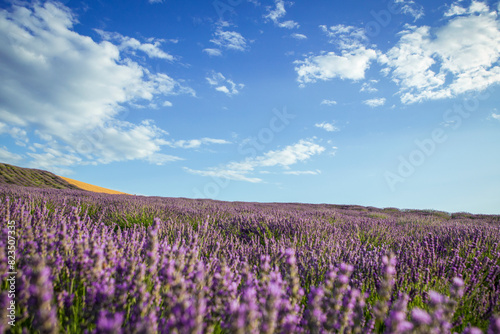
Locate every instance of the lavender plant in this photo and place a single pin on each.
(95, 263)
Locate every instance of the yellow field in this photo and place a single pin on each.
(90, 187)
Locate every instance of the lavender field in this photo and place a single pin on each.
(95, 263)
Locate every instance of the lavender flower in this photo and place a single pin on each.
(420, 317)
(396, 322)
(385, 286)
(108, 323)
(494, 327)
(108, 264)
(40, 302)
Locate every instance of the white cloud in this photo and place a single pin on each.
(74, 91)
(230, 40)
(225, 174)
(161, 159)
(327, 66)
(277, 13)
(303, 172)
(239, 171)
(495, 116)
(330, 127)
(411, 8)
(224, 85)
(213, 52)
(375, 102)
(456, 9)
(8, 157)
(367, 86)
(298, 36)
(461, 56)
(345, 37)
(329, 102)
(167, 104)
(288, 24)
(196, 143)
(126, 43)
(20, 135)
(155, 1)
(54, 161)
(351, 62)
(333, 152)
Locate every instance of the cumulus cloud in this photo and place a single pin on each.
(495, 116)
(456, 8)
(74, 91)
(458, 57)
(126, 43)
(239, 171)
(375, 102)
(330, 127)
(277, 13)
(221, 84)
(229, 40)
(351, 62)
(329, 65)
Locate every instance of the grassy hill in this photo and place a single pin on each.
(27, 177)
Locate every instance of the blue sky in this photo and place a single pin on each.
(380, 103)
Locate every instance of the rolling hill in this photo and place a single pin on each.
(28, 177)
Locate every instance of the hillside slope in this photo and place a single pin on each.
(91, 187)
(27, 177)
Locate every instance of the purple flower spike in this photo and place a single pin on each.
(108, 323)
(435, 298)
(457, 288)
(472, 330)
(420, 316)
(494, 326)
(458, 282)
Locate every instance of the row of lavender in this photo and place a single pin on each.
(115, 263)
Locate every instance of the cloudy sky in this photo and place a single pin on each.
(390, 103)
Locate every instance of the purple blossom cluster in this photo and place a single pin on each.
(95, 263)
